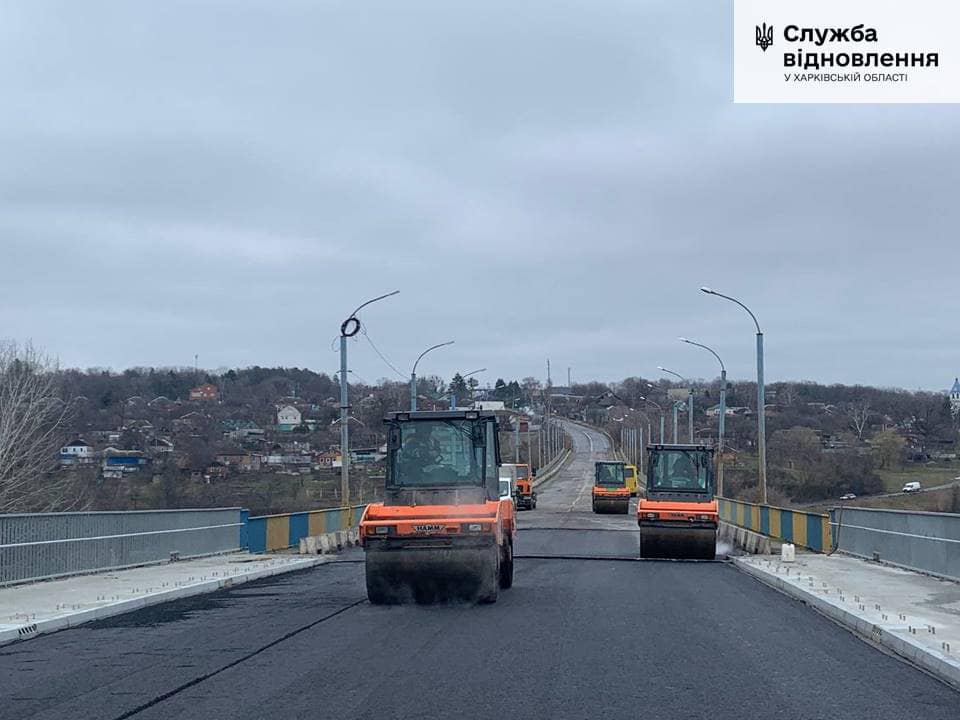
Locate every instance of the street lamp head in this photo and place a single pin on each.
(708, 291)
(683, 339)
(660, 367)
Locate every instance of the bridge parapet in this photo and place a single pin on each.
(928, 542)
(39, 546)
(266, 533)
(806, 529)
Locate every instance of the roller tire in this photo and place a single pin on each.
(489, 588)
(506, 567)
(379, 590)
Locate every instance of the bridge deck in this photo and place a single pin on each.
(574, 638)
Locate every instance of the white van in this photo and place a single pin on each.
(911, 487)
(508, 480)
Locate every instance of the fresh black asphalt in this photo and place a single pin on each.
(574, 638)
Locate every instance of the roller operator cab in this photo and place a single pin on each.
(610, 491)
(678, 513)
(444, 530)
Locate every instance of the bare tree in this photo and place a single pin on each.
(788, 394)
(858, 413)
(32, 418)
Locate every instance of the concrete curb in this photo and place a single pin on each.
(945, 668)
(41, 627)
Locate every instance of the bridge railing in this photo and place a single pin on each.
(266, 533)
(809, 530)
(924, 541)
(46, 545)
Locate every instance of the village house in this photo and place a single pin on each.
(76, 452)
(205, 393)
(123, 461)
(729, 411)
(240, 430)
(288, 418)
(160, 446)
(239, 461)
(366, 456)
(328, 459)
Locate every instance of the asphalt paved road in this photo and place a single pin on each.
(588, 638)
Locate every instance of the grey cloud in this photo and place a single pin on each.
(538, 180)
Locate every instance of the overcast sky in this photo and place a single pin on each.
(538, 179)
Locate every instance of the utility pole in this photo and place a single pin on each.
(761, 400)
(540, 447)
(516, 440)
(641, 454)
(721, 424)
(348, 328)
(689, 404)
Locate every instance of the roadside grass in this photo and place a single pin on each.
(945, 500)
(926, 475)
(894, 480)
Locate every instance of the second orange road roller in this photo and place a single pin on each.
(610, 491)
(678, 513)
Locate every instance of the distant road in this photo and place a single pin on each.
(944, 486)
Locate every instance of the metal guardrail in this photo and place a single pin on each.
(266, 533)
(809, 530)
(925, 541)
(47, 545)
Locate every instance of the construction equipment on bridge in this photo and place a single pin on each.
(443, 530)
(630, 473)
(524, 495)
(678, 513)
(610, 491)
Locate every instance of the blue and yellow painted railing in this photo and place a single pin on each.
(809, 530)
(278, 532)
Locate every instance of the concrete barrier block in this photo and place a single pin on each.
(303, 546)
(354, 535)
(342, 539)
(311, 543)
(747, 540)
(326, 545)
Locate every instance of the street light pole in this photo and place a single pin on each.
(723, 411)
(761, 400)
(453, 395)
(689, 404)
(413, 373)
(348, 328)
(657, 406)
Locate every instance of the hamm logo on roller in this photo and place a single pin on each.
(427, 528)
